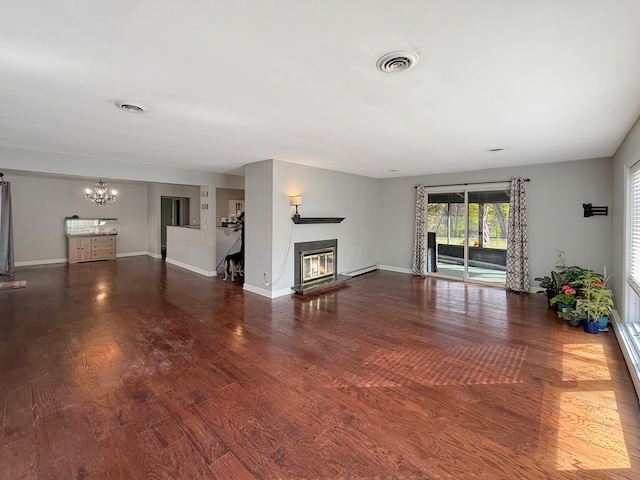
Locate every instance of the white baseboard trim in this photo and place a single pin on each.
(191, 268)
(395, 269)
(29, 263)
(360, 271)
(267, 293)
(130, 254)
(629, 350)
(154, 255)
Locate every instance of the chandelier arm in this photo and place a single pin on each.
(101, 195)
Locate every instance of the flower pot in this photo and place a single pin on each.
(574, 323)
(591, 327)
(561, 306)
(602, 324)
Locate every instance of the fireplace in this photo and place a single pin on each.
(316, 263)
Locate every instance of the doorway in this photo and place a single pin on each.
(173, 211)
(470, 227)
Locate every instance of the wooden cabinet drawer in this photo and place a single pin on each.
(96, 248)
(101, 243)
(86, 249)
(103, 254)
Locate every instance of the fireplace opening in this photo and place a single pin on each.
(315, 263)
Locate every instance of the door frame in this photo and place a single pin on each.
(180, 210)
(464, 188)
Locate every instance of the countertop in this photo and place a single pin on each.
(91, 235)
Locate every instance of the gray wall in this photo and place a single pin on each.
(379, 213)
(324, 193)
(223, 195)
(40, 205)
(156, 192)
(628, 153)
(86, 166)
(258, 225)
(153, 221)
(554, 199)
(52, 168)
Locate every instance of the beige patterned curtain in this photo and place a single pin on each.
(420, 235)
(517, 242)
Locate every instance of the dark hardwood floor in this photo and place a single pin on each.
(136, 369)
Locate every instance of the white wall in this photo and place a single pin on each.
(628, 153)
(325, 193)
(40, 205)
(554, 199)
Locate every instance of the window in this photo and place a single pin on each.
(634, 228)
(628, 332)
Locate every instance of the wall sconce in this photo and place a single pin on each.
(295, 200)
(590, 210)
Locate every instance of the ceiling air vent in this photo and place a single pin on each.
(130, 106)
(399, 61)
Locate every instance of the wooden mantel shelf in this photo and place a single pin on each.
(301, 220)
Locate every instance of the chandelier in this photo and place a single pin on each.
(100, 195)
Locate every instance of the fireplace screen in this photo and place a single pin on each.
(316, 264)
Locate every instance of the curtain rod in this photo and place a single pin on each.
(471, 183)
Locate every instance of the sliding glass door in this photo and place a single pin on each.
(470, 229)
(446, 216)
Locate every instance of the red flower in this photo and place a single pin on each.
(597, 282)
(568, 290)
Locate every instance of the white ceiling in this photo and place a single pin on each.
(234, 82)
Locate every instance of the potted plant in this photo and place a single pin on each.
(564, 275)
(565, 299)
(551, 284)
(597, 301)
(573, 317)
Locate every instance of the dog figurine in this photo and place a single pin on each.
(233, 266)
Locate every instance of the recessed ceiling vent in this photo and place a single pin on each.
(130, 106)
(399, 61)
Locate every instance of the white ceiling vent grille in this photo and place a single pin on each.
(130, 106)
(399, 61)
